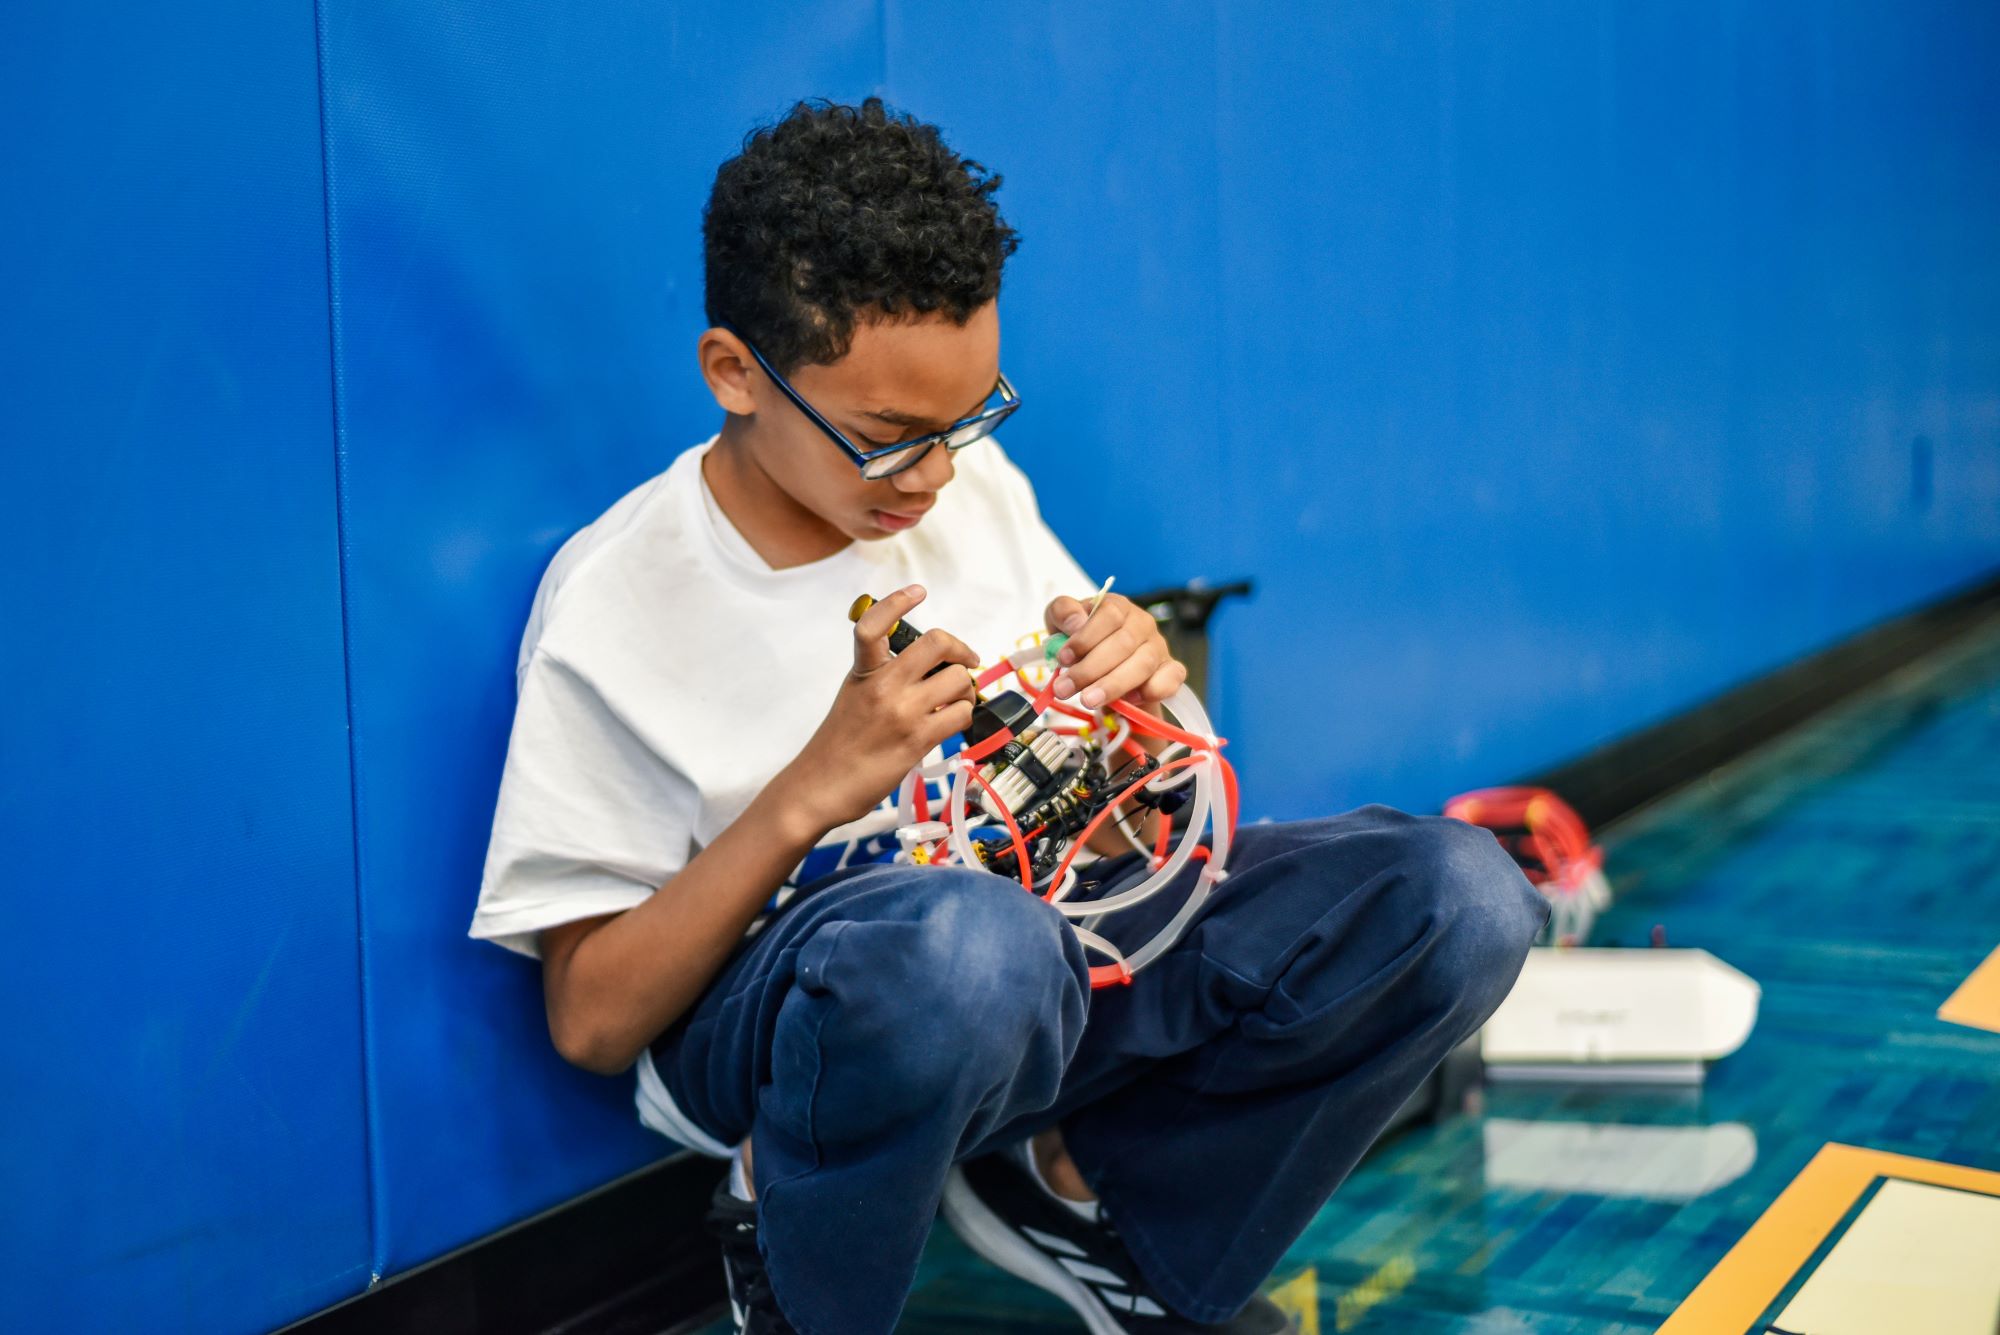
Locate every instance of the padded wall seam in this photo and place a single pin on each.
(370, 1114)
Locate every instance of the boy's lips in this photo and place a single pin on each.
(895, 521)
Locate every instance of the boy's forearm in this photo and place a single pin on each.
(638, 972)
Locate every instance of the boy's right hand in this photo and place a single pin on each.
(887, 716)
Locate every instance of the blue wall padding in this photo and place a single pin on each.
(181, 1120)
(516, 202)
(1551, 366)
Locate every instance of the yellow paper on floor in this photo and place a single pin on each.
(1977, 1000)
(1298, 1298)
(1919, 1258)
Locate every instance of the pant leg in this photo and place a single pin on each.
(872, 1033)
(1216, 1102)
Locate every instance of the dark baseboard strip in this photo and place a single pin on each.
(630, 1258)
(1628, 772)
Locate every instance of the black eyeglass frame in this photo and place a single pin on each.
(966, 431)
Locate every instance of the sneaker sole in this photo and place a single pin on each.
(989, 1237)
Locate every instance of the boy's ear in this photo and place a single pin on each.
(725, 365)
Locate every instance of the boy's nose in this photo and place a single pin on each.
(929, 474)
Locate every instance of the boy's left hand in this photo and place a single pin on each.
(1116, 652)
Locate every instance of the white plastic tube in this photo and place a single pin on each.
(1206, 811)
(1198, 812)
(1187, 711)
(1092, 941)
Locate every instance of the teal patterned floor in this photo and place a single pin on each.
(1853, 869)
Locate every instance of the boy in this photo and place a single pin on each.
(895, 1035)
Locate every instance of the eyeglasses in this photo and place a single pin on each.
(885, 460)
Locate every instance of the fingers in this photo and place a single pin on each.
(1169, 677)
(1117, 652)
(1115, 668)
(954, 717)
(1065, 615)
(1086, 667)
(871, 632)
(932, 648)
(1111, 616)
(947, 687)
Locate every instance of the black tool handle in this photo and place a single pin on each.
(901, 635)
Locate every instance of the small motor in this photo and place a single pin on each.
(1029, 771)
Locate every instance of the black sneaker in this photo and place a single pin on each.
(751, 1304)
(1004, 1215)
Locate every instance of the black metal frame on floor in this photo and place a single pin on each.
(1642, 766)
(631, 1258)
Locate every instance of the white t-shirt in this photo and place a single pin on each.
(668, 673)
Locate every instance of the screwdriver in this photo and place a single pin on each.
(901, 635)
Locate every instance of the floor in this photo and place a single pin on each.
(1852, 868)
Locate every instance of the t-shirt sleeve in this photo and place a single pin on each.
(1045, 563)
(589, 820)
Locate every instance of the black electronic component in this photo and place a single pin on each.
(1068, 811)
(1167, 802)
(1009, 710)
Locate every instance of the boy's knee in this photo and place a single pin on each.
(1482, 912)
(982, 984)
(983, 933)
(989, 962)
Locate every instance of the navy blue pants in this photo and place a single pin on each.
(892, 1020)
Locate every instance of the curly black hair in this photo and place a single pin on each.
(840, 212)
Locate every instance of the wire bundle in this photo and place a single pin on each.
(1191, 757)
